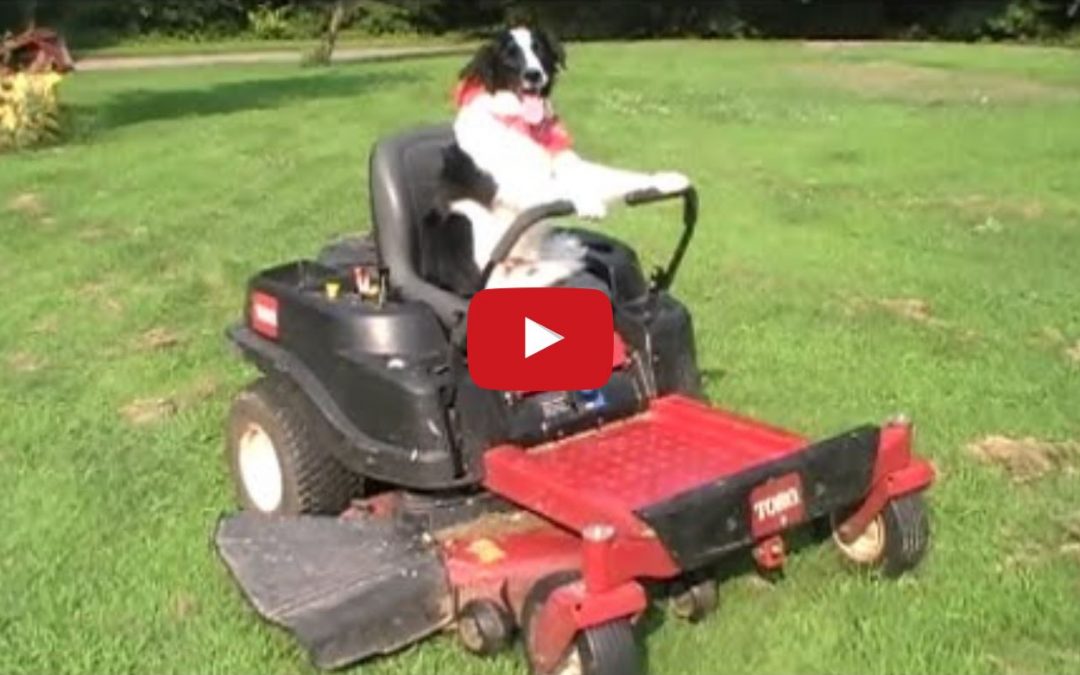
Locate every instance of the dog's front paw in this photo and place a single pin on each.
(589, 207)
(670, 182)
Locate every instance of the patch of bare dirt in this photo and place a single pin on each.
(1070, 528)
(150, 410)
(91, 234)
(912, 309)
(157, 339)
(984, 214)
(1049, 336)
(1073, 353)
(146, 411)
(1027, 553)
(1032, 209)
(989, 225)
(202, 389)
(183, 605)
(28, 204)
(101, 294)
(923, 84)
(983, 207)
(1024, 555)
(977, 204)
(1071, 549)
(48, 325)
(1025, 459)
(25, 362)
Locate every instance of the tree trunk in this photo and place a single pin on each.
(337, 17)
(29, 11)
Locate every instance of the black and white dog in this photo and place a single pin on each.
(512, 153)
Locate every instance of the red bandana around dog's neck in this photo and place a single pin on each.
(536, 119)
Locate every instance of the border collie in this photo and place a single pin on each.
(512, 152)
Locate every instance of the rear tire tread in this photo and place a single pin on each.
(319, 483)
(907, 528)
(610, 649)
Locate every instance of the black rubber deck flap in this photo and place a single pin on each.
(701, 525)
(346, 589)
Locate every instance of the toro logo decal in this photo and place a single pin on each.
(776, 505)
(264, 314)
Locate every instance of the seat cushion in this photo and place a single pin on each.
(404, 183)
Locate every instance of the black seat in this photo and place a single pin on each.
(404, 181)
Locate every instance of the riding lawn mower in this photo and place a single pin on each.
(387, 498)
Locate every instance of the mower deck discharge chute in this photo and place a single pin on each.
(388, 497)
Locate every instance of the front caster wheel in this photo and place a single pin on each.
(484, 627)
(894, 542)
(694, 601)
(608, 649)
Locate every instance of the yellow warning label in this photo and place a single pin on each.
(486, 551)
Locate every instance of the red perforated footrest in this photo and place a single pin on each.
(675, 446)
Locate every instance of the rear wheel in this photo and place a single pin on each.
(608, 649)
(894, 542)
(279, 452)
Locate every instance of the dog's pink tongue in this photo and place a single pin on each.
(532, 109)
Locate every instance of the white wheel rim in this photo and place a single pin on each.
(260, 470)
(868, 547)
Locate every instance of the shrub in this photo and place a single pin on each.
(307, 22)
(1022, 19)
(29, 109)
(383, 18)
(270, 23)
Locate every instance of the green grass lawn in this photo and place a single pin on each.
(885, 228)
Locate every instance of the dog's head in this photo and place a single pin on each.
(521, 60)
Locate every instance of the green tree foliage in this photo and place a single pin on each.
(953, 19)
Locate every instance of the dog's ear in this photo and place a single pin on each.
(552, 48)
(482, 67)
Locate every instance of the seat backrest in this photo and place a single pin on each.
(404, 180)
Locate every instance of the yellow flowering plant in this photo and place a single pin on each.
(29, 109)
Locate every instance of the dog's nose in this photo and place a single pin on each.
(533, 76)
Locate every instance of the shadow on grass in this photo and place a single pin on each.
(259, 93)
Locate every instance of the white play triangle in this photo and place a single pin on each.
(538, 337)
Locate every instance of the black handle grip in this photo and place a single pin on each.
(648, 195)
(645, 196)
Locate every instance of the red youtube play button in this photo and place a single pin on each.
(540, 339)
